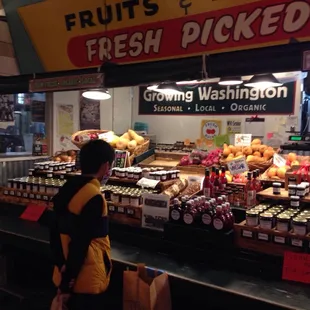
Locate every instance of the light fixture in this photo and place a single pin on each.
(152, 87)
(228, 81)
(188, 82)
(169, 88)
(97, 94)
(263, 81)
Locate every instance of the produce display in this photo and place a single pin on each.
(292, 161)
(198, 157)
(178, 147)
(130, 140)
(257, 152)
(66, 156)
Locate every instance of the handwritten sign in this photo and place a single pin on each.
(155, 211)
(121, 158)
(238, 166)
(33, 212)
(279, 161)
(296, 267)
(243, 139)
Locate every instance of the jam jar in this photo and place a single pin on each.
(252, 218)
(283, 222)
(266, 220)
(299, 226)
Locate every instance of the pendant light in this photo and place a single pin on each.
(263, 81)
(152, 87)
(97, 94)
(168, 88)
(228, 81)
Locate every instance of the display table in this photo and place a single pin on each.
(217, 286)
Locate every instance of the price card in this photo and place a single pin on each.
(120, 159)
(155, 211)
(147, 183)
(296, 267)
(279, 161)
(238, 166)
(243, 139)
(33, 212)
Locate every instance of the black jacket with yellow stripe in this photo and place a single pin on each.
(79, 237)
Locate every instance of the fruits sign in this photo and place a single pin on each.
(75, 34)
(210, 129)
(237, 166)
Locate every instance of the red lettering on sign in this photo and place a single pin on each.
(243, 26)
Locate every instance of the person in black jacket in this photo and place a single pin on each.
(79, 231)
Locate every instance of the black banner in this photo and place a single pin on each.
(213, 99)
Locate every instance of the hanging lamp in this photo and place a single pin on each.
(263, 81)
(228, 81)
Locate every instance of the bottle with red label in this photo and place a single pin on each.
(207, 187)
(250, 192)
(256, 181)
(219, 220)
(176, 211)
(229, 215)
(213, 174)
(223, 178)
(190, 214)
(207, 215)
(217, 182)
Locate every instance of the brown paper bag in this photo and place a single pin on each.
(141, 292)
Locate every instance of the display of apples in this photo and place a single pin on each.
(198, 157)
(257, 152)
(86, 137)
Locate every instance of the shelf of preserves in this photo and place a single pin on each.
(268, 194)
(271, 242)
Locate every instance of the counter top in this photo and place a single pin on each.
(292, 296)
(13, 156)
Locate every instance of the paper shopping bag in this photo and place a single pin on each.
(141, 292)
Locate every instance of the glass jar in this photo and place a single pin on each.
(283, 222)
(134, 200)
(130, 174)
(300, 190)
(49, 174)
(306, 185)
(276, 187)
(295, 202)
(46, 165)
(157, 176)
(299, 226)
(163, 176)
(136, 175)
(292, 190)
(252, 218)
(31, 172)
(68, 168)
(292, 181)
(125, 199)
(177, 173)
(115, 197)
(10, 183)
(266, 220)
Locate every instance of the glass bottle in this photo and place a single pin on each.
(219, 219)
(207, 185)
(223, 178)
(217, 182)
(176, 211)
(250, 192)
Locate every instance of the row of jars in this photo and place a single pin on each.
(283, 220)
(54, 166)
(37, 185)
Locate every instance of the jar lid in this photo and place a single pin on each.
(283, 216)
(299, 220)
(292, 186)
(301, 186)
(275, 184)
(252, 213)
(266, 215)
(295, 198)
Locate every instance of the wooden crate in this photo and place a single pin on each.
(127, 215)
(271, 242)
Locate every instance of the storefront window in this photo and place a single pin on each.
(21, 116)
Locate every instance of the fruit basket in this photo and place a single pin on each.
(80, 138)
(65, 156)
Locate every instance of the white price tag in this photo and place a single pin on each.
(243, 139)
(107, 136)
(147, 183)
(247, 234)
(279, 239)
(297, 242)
(279, 161)
(264, 237)
(238, 166)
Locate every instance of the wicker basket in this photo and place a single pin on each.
(140, 149)
(80, 144)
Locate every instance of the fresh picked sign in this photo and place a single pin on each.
(79, 34)
(213, 99)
